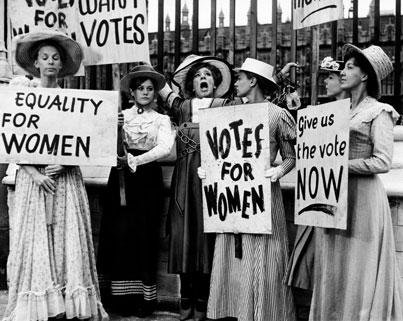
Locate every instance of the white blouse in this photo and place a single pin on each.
(149, 131)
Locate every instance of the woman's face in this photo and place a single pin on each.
(48, 62)
(333, 84)
(352, 75)
(203, 83)
(242, 84)
(144, 94)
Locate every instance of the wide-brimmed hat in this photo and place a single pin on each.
(144, 71)
(331, 65)
(179, 77)
(378, 59)
(259, 68)
(27, 44)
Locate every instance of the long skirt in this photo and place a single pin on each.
(356, 271)
(252, 288)
(51, 267)
(128, 249)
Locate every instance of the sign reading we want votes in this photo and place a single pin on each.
(235, 151)
(322, 165)
(54, 126)
(110, 31)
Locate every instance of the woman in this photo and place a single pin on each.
(51, 214)
(300, 268)
(356, 272)
(201, 81)
(250, 286)
(130, 233)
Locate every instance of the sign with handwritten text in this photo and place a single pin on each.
(58, 126)
(322, 165)
(235, 148)
(307, 13)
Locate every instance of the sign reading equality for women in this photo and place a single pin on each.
(322, 165)
(53, 126)
(234, 143)
(109, 31)
(307, 13)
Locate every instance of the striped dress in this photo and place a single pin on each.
(252, 288)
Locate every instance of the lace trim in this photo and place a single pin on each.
(80, 302)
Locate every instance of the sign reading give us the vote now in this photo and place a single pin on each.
(235, 151)
(322, 165)
(54, 126)
(307, 13)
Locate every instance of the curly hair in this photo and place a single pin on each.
(217, 76)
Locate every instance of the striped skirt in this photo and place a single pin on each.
(252, 288)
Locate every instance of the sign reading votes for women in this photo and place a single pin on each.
(53, 126)
(308, 13)
(234, 143)
(322, 165)
(110, 31)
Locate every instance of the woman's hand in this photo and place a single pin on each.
(121, 119)
(286, 69)
(274, 173)
(201, 172)
(122, 161)
(44, 181)
(54, 170)
(131, 161)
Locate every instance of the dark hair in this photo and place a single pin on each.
(217, 76)
(136, 82)
(365, 66)
(265, 85)
(48, 42)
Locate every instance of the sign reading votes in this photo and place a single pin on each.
(234, 144)
(109, 31)
(308, 13)
(322, 165)
(54, 126)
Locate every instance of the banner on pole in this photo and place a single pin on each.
(109, 31)
(322, 165)
(58, 126)
(235, 151)
(307, 13)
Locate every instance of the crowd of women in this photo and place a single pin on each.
(52, 273)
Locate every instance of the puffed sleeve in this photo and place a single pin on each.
(286, 136)
(164, 142)
(382, 140)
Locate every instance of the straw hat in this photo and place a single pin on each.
(379, 60)
(259, 68)
(26, 46)
(181, 72)
(329, 64)
(145, 71)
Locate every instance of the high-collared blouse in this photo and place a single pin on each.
(371, 137)
(149, 131)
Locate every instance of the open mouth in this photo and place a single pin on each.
(204, 85)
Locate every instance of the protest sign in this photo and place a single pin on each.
(109, 31)
(308, 13)
(235, 148)
(58, 126)
(322, 165)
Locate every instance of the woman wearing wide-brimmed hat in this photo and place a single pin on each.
(201, 82)
(356, 274)
(51, 267)
(301, 264)
(248, 269)
(128, 250)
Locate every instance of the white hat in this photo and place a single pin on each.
(379, 60)
(181, 72)
(259, 68)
